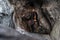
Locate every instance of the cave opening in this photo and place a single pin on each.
(31, 17)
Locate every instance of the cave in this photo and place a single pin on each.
(29, 9)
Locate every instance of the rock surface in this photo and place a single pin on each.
(8, 33)
(55, 34)
(6, 11)
(11, 34)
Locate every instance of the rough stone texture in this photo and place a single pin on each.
(5, 7)
(6, 11)
(55, 34)
(7, 33)
(55, 12)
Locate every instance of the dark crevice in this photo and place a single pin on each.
(30, 21)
